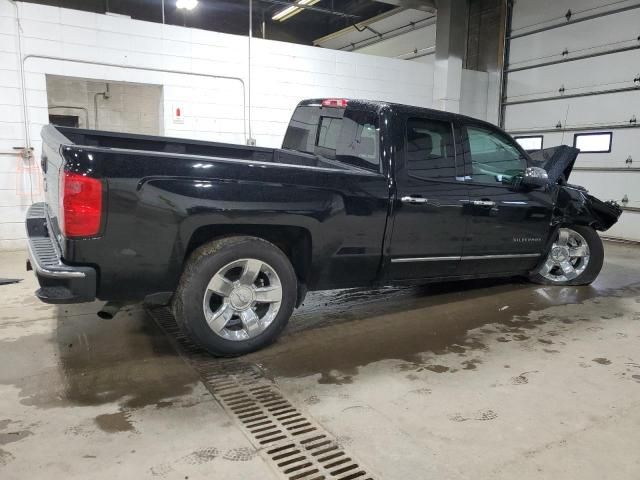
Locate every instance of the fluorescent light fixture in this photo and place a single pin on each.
(289, 12)
(186, 4)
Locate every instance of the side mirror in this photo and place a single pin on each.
(535, 177)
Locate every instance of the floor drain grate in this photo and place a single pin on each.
(299, 448)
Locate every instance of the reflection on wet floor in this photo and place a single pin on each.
(127, 360)
(335, 332)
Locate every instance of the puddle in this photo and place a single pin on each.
(335, 333)
(115, 422)
(88, 361)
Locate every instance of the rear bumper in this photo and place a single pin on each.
(59, 282)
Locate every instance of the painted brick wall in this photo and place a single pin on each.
(282, 74)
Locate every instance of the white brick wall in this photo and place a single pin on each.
(282, 75)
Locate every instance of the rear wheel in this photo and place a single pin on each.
(235, 295)
(575, 258)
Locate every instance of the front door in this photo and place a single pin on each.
(507, 226)
(429, 225)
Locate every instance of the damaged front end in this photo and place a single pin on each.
(574, 205)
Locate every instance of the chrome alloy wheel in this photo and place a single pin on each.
(242, 299)
(568, 257)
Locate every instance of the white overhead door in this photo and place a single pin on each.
(572, 76)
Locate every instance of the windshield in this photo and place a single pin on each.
(349, 136)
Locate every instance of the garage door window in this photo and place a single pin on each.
(593, 142)
(494, 157)
(430, 151)
(531, 143)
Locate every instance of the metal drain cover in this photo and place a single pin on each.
(298, 447)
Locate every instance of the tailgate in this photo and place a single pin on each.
(52, 161)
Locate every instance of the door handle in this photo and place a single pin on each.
(484, 203)
(414, 200)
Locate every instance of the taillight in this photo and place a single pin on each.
(335, 102)
(80, 205)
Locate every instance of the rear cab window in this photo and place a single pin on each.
(346, 135)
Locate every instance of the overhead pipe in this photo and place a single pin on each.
(23, 85)
(149, 69)
(106, 95)
(418, 53)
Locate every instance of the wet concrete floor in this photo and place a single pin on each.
(483, 379)
(83, 398)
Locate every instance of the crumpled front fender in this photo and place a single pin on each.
(574, 206)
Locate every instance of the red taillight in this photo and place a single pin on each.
(80, 205)
(335, 102)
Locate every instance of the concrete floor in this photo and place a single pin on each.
(482, 380)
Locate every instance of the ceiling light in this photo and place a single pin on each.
(187, 4)
(289, 12)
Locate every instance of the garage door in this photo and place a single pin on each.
(572, 76)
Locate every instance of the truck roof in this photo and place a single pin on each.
(398, 107)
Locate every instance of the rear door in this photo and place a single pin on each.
(429, 225)
(508, 226)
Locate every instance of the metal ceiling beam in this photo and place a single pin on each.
(311, 8)
(382, 36)
(424, 5)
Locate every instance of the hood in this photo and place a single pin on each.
(557, 161)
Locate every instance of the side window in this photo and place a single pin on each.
(430, 152)
(494, 158)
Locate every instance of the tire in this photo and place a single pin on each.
(216, 289)
(583, 274)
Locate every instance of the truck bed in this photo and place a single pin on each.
(179, 146)
(162, 196)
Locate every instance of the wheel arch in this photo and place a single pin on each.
(294, 241)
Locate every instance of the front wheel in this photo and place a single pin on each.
(575, 258)
(236, 295)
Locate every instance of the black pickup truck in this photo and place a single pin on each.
(360, 194)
